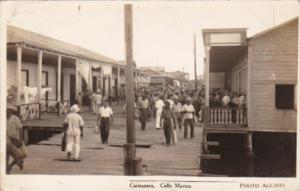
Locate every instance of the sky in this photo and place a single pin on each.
(162, 31)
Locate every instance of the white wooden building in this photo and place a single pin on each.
(264, 67)
(36, 62)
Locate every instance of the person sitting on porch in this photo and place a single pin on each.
(14, 140)
(74, 124)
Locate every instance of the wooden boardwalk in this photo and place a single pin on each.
(181, 159)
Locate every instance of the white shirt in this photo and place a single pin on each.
(226, 100)
(189, 109)
(74, 121)
(171, 103)
(159, 104)
(98, 98)
(105, 112)
(242, 100)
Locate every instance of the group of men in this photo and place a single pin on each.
(169, 110)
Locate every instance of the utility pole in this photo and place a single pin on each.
(195, 62)
(132, 165)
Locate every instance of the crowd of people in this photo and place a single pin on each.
(170, 108)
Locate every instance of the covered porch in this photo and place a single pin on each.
(225, 75)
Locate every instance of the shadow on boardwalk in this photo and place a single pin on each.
(181, 159)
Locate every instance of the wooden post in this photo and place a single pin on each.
(129, 148)
(118, 84)
(249, 145)
(58, 83)
(195, 63)
(19, 73)
(59, 78)
(39, 75)
(249, 79)
(76, 79)
(206, 108)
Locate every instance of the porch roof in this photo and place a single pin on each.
(16, 35)
(223, 58)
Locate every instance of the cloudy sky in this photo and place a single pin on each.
(163, 31)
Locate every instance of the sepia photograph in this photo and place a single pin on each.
(169, 95)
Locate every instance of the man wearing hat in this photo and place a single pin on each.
(168, 120)
(14, 139)
(188, 115)
(74, 123)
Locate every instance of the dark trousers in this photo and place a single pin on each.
(167, 132)
(143, 118)
(104, 129)
(179, 120)
(188, 122)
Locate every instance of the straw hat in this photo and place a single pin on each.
(74, 108)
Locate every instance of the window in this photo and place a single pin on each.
(284, 96)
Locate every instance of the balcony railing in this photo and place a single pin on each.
(29, 111)
(53, 106)
(227, 116)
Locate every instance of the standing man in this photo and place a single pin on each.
(14, 140)
(104, 119)
(159, 104)
(74, 124)
(177, 110)
(144, 105)
(97, 101)
(188, 115)
(166, 118)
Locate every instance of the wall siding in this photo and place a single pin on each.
(273, 61)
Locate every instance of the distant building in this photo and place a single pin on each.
(153, 76)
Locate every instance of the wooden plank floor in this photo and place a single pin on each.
(181, 159)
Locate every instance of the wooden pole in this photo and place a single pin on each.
(19, 73)
(58, 78)
(76, 79)
(118, 84)
(129, 148)
(195, 63)
(39, 75)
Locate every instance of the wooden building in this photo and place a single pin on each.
(36, 62)
(264, 67)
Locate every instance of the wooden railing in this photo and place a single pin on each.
(227, 116)
(53, 106)
(29, 111)
(64, 107)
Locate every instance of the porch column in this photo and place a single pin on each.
(39, 75)
(19, 74)
(90, 86)
(206, 117)
(118, 84)
(59, 78)
(76, 79)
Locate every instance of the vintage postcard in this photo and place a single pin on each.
(149, 95)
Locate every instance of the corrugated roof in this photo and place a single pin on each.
(31, 39)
